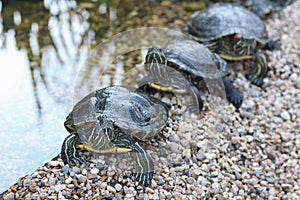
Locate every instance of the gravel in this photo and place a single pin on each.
(252, 153)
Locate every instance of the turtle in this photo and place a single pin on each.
(235, 33)
(263, 8)
(115, 119)
(196, 62)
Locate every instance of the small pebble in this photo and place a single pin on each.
(51, 181)
(84, 171)
(197, 171)
(285, 115)
(9, 196)
(190, 180)
(118, 187)
(216, 189)
(111, 189)
(127, 190)
(249, 138)
(59, 188)
(294, 77)
(26, 182)
(65, 170)
(82, 178)
(76, 169)
(32, 187)
(92, 176)
(118, 196)
(54, 163)
(94, 171)
(68, 180)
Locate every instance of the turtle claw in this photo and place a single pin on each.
(236, 99)
(144, 178)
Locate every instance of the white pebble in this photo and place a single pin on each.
(69, 180)
(249, 138)
(84, 171)
(285, 115)
(54, 163)
(94, 171)
(294, 77)
(111, 189)
(118, 187)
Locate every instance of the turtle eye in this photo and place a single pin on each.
(237, 37)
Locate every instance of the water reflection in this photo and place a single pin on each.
(40, 54)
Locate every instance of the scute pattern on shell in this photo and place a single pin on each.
(129, 109)
(194, 58)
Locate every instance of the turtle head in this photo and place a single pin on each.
(156, 55)
(242, 47)
(69, 124)
(234, 47)
(155, 63)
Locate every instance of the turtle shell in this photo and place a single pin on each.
(262, 8)
(224, 19)
(130, 110)
(195, 59)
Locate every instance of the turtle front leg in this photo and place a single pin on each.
(233, 95)
(144, 166)
(69, 153)
(144, 162)
(259, 70)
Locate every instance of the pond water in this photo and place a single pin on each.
(37, 74)
(43, 45)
